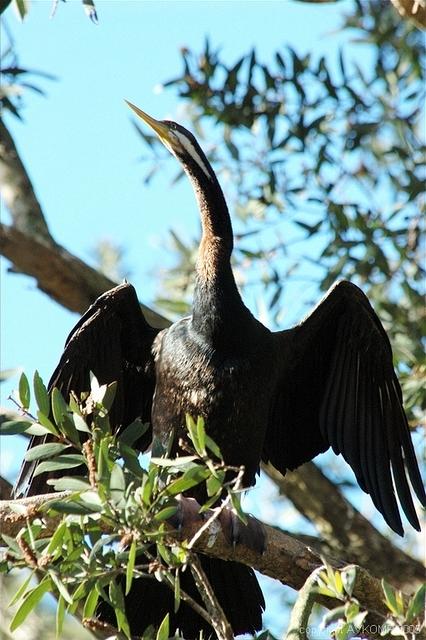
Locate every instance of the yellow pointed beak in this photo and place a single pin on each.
(159, 127)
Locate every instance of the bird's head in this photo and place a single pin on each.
(179, 141)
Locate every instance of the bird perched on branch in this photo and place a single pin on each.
(280, 397)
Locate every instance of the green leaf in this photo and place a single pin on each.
(90, 603)
(5, 374)
(351, 610)
(416, 604)
(59, 406)
(166, 513)
(12, 544)
(192, 430)
(236, 504)
(177, 463)
(163, 630)
(60, 586)
(69, 429)
(22, 7)
(213, 486)
(68, 483)
(13, 427)
(24, 391)
(117, 483)
(212, 446)
(130, 566)
(147, 488)
(37, 429)
(332, 616)
(400, 603)
(357, 621)
(94, 384)
(73, 404)
(42, 397)
(46, 423)
(82, 588)
(109, 395)
(91, 497)
(102, 462)
(133, 431)
(21, 589)
(60, 615)
(67, 461)
(80, 423)
(348, 579)
(201, 434)
(177, 592)
(103, 541)
(117, 601)
(46, 450)
(390, 598)
(69, 507)
(131, 461)
(324, 591)
(56, 539)
(338, 582)
(190, 479)
(30, 600)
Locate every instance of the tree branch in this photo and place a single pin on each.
(218, 619)
(302, 609)
(62, 276)
(18, 192)
(414, 10)
(347, 533)
(285, 558)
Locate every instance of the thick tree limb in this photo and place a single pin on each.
(62, 276)
(285, 559)
(347, 533)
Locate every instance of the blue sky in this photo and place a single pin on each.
(82, 152)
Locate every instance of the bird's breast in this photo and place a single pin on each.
(225, 390)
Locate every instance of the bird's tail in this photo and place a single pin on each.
(234, 584)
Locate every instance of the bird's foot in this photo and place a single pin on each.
(251, 535)
(187, 513)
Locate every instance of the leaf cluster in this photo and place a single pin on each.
(15, 80)
(119, 518)
(404, 619)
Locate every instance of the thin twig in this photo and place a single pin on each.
(183, 595)
(218, 619)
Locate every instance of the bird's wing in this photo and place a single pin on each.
(337, 387)
(114, 341)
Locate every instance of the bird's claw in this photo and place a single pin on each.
(251, 535)
(187, 512)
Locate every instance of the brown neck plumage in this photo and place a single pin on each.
(216, 297)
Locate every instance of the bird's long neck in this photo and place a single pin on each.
(217, 303)
(214, 258)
